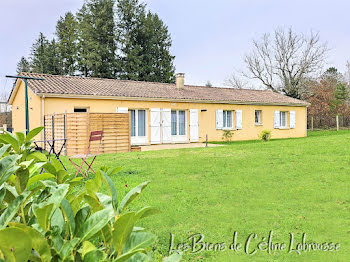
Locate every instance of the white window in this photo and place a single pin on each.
(227, 119)
(138, 123)
(178, 123)
(258, 117)
(283, 119)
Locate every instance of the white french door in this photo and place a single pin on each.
(168, 126)
(178, 126)
(138, 126)
(155, 126)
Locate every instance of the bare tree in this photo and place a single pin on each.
(347, 73)
(236, 81)
(284, 61)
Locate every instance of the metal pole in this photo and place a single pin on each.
(64, 131)
(44, 146)
(206, 140)
(53, 126)
(26, 105)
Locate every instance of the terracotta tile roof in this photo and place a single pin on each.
(82, 86)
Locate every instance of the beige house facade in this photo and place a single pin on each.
(163, 113)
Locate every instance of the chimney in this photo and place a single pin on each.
(180, 80)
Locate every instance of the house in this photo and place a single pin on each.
(5, 116)
(163, 113)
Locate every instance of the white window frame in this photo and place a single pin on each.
(177, 137)
(139, 140)
(223, 121)
(286, 119)
(260, 114)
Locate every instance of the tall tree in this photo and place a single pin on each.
(144, 44)
(45, 57)
(39, 55)
(284, 61)
(96, 38)
(136, 45)
(67, 36)
(54, 66)
(23, 65)
(130, 17)
(156, 60)
(338, 103)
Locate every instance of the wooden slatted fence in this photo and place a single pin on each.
(76, 127)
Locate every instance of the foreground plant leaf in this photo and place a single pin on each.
(38, 178)
(8, 167)
(3, 149)
(122, 229)
(146, 212)
(95, 256)
(95, 223)
(68, 213)
(80, 218)
(22, 177)
(173, 258)
(87, 247)
(38, 156)
(112, 189)
(15, 244)
(44, 210)
(33, 133)
(67, 248)
(12, 210)
(39, 243)
(133, 193)
(139, 257)
(139, 240)
(128, 255)
(43, 215)
(8, 138)
(2, 194)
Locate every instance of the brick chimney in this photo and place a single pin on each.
(180, 80)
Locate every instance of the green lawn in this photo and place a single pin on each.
(287, 186)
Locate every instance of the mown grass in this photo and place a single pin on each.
(287, 186)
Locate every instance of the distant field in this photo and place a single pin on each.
(287, 186)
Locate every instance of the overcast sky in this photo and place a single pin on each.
(209, 37)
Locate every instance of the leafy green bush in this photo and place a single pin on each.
(265, 135)
(227, 135)
(53, 216)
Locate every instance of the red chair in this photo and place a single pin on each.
(94, 136)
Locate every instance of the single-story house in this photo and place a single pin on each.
(163, 113)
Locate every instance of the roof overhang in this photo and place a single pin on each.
(72, 96)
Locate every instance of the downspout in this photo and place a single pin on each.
(43, 116)
(26, 105)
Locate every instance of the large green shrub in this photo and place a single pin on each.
(53, 216)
